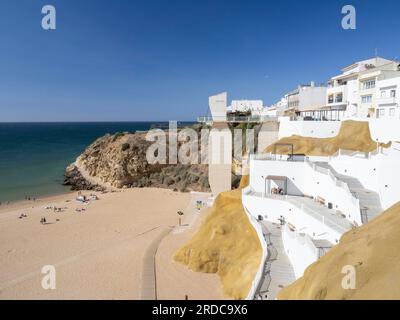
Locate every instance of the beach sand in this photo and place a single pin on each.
(97, 253)
(174, 280)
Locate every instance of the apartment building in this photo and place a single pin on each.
(305, 97)
(356, 92)
(388, 98)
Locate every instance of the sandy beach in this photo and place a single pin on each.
(97, 252)
(174, 280)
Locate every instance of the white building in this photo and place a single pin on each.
(317, 199)
(305, 97)
(388, 98)
(281, 105)
(270, 111)
(255, 107)
(354, 92)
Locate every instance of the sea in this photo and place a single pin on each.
(33, 156)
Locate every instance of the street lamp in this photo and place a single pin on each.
(180, 214)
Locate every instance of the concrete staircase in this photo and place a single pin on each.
(370, 203)
(278, 271)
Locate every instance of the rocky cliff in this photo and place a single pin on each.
(119, 161)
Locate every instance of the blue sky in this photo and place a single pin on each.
(160, 59)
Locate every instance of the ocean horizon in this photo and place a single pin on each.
(34, 155)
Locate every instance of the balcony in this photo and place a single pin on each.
(386, 100)
(336, 89)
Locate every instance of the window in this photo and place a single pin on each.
(383, 94)
(339, 97)
(330, 99)
(393, 93)
(370, 84)
(392, 112)
(381, 113)
(366, 99)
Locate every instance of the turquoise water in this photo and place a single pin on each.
(33, 156)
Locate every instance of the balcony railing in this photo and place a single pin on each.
(232, 118)
(386, 100)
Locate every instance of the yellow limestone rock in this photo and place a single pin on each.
(353, 135)
(374, 252)
(226, 244)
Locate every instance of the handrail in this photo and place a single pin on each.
(303, 239)
(260, 273)
(303, 207)
(314, 213)
(339, 183)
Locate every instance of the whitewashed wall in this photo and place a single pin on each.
(316, 129)
(260, 272)
(273, 209)
(382, 130)
(385, 130)
(380, 173)
(300, 249)
(304, 180)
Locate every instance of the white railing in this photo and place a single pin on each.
(234, 118)
(334, 223)
(260, 273)
(300, 249)
(325, 220)
(339, 183)
(277, 157)
(303, 239)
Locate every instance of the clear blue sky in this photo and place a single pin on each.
(161, 59)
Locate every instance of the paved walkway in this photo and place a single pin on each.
(313, 209)
(148, 288)
(192, 212)
(369, 200)
(278, 271)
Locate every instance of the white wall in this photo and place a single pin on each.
(382, 130)
(260, 272)
(218, 106)
(380, 173)
(311, 98)
(315, 129)
(304, 180)
(300, 250)
(385, 130)
(273, 209)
